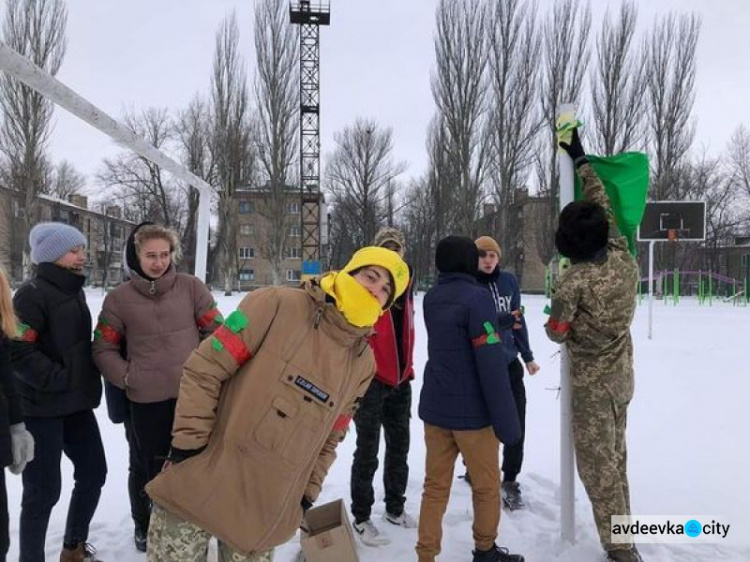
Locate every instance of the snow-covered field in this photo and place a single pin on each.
(688, 450)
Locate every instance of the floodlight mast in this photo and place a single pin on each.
(50, 87)
(310, 16)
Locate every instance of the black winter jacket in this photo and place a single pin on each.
(52, 359)
(10, 405)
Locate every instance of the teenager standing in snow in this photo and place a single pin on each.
(386, 405)
(506, 294)
(466, 401)
(162, 315)
(16, 443)
(59, 387)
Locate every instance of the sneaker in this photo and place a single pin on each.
(404, 520)
(84, 552)
(512, 498)
(139, 538)
(496, 554)
(369, 534)
(624, 555)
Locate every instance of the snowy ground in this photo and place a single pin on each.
(688, 450)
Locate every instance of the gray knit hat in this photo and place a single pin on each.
(52, 240)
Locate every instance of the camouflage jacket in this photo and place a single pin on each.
(592, 308)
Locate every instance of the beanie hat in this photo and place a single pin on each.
(487, 244)
(357, 304)
(582, 230)
(50, 241)
(389, 234)
(457, 254)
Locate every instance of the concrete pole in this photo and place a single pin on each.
(567, 459)
(50, 87)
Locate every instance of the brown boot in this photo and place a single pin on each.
(84, 552)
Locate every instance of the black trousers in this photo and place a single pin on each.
(513, 455)
(140, 503)
(390, 408)
(4, 520)
(152, 430)
(77, 435)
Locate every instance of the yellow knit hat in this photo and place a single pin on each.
(487, 244)
(385, 258)
(357, 304)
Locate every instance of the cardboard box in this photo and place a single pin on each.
(327, 535)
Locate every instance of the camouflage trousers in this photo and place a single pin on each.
(171, 539)
(599, 424)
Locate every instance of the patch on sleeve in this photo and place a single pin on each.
(558, 327)
(227, 337)
(27, 333)
(342, 423)
(311, 388)
(106, 332)
(490, 337)
(213, 316)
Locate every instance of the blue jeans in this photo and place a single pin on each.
(77, 435)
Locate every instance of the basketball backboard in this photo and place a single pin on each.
(673, 220)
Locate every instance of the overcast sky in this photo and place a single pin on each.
(376, 59)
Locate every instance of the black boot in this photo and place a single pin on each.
(496, 554)
(139, 538)
(512, 497)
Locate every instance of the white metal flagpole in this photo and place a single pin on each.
(567, 461)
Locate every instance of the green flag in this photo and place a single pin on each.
(625, 178)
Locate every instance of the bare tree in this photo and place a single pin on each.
(66, 181)
(566, 57)
(459, 88)
(739, 158)
(193, 133)
(441, 179)
(36, 29)
(515, 57)
(231, 145)
(418, 225)
(671, 82)
(618, 84)
(277, 98)
(358, 175)
(139, 184)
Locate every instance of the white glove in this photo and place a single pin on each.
(22, 443)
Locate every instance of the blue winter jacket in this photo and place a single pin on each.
(507, 296)
(463, 387)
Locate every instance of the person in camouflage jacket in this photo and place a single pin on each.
(593, 304)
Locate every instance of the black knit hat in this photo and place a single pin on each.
(457, 254)
(582, 230)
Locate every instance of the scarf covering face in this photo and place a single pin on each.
(357, 304)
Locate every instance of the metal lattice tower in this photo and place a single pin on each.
(310, 17)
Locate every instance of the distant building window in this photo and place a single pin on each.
(63, 215)
(246, 229)
(292, 208)
(293, 253)
(247, 253)
(246, 207)
(293, 275)
(294, 230)
(247, 275)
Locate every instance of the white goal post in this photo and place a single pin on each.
(50, 87)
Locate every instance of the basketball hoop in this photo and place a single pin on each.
(673, 234)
